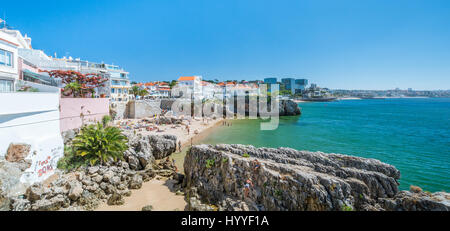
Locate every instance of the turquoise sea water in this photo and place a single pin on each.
(411, 134)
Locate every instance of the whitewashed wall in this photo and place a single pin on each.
(7, 43)
(32, 118)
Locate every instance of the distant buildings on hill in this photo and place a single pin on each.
(196, 87)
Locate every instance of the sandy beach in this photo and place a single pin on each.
(197, 126)
(156, 193)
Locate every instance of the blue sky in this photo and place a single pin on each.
(340, 44)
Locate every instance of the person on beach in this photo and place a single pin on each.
(179, 145)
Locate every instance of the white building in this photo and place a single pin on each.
(13, 45)
(117, 88)
(8, 61)
(211, 90)
(191, 85)
(239, 89)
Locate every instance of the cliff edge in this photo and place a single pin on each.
(239, 177)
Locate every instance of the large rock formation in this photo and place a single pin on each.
(417, 201)
(285, 107)
(238, 177)
(288, 108)
(145, 149)
(10, 174)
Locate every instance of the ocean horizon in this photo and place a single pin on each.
(412, 134)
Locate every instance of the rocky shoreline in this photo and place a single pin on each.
(239, 177)
(87, 187)
(225, 178)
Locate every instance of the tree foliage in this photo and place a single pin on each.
(96, 143)
(135, 90)
(78, 84)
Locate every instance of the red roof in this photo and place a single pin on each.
(186, 78)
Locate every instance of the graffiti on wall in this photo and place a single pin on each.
(43, 161)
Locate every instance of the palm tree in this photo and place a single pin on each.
(135, 91)
(72, 88)
(96, 143)
(172, 84)
(143, 93)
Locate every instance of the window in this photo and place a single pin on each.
(6, 85)
(6, 58)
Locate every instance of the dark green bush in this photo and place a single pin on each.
(95, 143)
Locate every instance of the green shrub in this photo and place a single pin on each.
(105, 120)
(347, 208)
(246, 155)
(224, 160)
(210, 163)
(278, 193)
(96, 143)
(70, 160)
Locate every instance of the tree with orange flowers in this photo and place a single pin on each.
(78, 84)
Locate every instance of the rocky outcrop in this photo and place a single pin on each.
(87, 187)
(417, 201)
(17, 152)
(10, 174)
(288, 108)
(11, 170)
(238, 177)
(163, 145)
(69, 135)
(84, 189)
(165, 120)
(285, 107)
(4, 201)
(145, 149)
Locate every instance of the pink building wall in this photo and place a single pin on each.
(75, 111)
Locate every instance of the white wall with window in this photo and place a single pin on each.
(6, 85)
(6, 58)
(8, 62)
